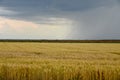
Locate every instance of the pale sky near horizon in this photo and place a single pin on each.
(59, 19)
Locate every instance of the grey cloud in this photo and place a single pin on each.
(78, 5)
(57, 8)
(39, 6)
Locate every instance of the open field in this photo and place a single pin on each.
(59, 61)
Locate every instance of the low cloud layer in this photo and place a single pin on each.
(60, 19)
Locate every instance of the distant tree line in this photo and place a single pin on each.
(61, 41)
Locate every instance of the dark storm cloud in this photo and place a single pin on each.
(29, 8)
(34, 7)
(78, 5)
(42, 4)
(93, 19)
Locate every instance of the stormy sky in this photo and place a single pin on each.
(59, 19)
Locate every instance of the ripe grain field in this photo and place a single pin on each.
(59, 61)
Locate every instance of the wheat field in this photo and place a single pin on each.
(59, 61)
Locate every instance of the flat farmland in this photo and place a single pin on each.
(59, 61)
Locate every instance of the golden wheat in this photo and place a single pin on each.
(59, 61)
